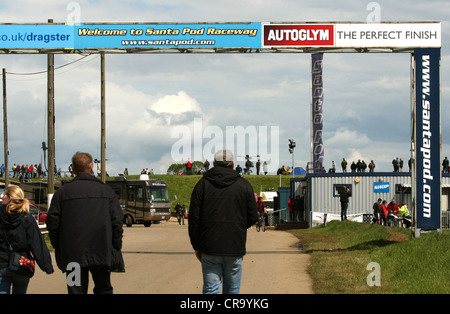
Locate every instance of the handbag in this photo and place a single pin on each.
(18, 263)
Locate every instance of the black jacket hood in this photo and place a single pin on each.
(13, 219)
(222, 176)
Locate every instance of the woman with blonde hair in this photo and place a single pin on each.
(24, 236)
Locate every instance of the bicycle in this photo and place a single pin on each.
(261, 223)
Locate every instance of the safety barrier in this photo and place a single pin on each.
(275, 217)
(445, 220)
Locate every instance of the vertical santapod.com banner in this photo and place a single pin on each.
(428, 134)
(316, 111)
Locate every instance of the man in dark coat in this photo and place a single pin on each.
(344, 193)
(377, 212)
(222, 208)
(85, 227)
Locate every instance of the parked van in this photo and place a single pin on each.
(142, 201)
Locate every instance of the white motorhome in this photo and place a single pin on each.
(143, 201)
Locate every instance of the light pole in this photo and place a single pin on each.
(291, 150)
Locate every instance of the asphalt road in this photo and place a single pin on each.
(160, 260)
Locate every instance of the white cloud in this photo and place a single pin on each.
(354, 146)
(176, 104)
(344, 137)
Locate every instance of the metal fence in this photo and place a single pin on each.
(445, 220)
(280, 216)
(277, 216)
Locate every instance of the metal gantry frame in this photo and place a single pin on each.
(206, 50)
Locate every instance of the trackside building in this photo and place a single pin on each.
(321, 194)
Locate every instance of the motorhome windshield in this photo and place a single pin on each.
(158, 194)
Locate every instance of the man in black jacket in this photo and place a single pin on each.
(345, 193)
(85, 227)
(222, 208)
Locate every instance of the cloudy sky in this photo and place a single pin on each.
(158, 102)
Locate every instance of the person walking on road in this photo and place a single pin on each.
(85, 227)
(181, 214)
(22, 233)
(222, 208)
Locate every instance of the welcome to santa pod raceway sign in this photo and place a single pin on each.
(253, 36)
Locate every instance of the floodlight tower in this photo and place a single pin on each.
(291, 151)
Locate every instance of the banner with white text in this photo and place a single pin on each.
(316, 111)
(428, 137)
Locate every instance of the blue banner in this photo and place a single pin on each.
(316, 111)
(149, 36)
(38, 36)
(428, 133)
(125, 36)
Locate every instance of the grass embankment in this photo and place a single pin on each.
(182, 186)
(341, 252)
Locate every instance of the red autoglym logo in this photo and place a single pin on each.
(298, 35)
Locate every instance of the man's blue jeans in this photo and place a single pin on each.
(344, 207)
(221, 268)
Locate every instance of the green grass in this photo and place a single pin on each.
(341, 252)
